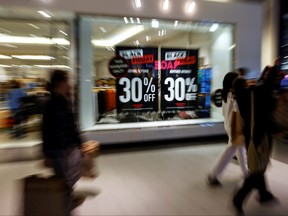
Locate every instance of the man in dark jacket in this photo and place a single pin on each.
(61, 138)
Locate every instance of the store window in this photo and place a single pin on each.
(29, 50)
(139, 72)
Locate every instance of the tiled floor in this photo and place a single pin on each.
(155, 181)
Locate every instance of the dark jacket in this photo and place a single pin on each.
(59, 130)
(264, 105)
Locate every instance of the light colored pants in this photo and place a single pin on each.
(226, 157)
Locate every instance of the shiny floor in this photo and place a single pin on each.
(161, 180)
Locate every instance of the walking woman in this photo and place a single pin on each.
(236, 142)
(256, 105)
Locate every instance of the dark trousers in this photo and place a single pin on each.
(253, 181)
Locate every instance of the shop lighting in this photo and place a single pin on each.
(102, 29)
(34, 26)
(232, 47)
(136, 43)
(148, 38)
(120, 36)
(191, 6)
(33, 57)
(43, 13)
(214, 27)
(165, 5)
(155, 23)
(125, 20)
(131, 20)
(4, 30)
(5, 57)
(176, 23)
(53, 66)
(33, 40)
(138, 20)
(5, 66)
(137, 3)
(64, 33)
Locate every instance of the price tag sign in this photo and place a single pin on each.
(179, 86)
(137, 91)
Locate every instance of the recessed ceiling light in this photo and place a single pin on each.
(148, 38)
(176, 23)
(155, 23)
(1, 65)
(131, 20)
(125, 20)
(34, 26)
(33, 40)
(138, 20)
(102, 29)
(43, 13)
(63, 32)
(165, 5)
(214, 27)
(191, 6)
(137, 3)
(5, 57)
(53, 66)
(33, 57)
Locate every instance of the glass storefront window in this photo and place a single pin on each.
(29, 50)
(173, 66)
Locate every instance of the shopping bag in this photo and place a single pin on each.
(45, 196)
(91, 150)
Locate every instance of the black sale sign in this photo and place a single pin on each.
(137, 90)
(179, 69)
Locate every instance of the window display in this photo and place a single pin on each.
(172, 69)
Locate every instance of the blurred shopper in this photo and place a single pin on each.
(61, 138)
(236, 142)
(260, 98)
(15, 97)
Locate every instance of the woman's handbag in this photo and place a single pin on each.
(258, 158)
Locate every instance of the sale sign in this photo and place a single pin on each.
(137, 90)
(179, 68)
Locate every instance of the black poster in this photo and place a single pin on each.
(137, 90)
(179, 69)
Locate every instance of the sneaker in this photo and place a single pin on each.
(213, 181)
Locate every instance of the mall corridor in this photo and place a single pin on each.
(157, 180)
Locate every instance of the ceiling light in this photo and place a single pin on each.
(34, 26)
(120, 36)
(102, 29)
(33, 57)
(4, 30)
(232, 47)
(214, 27)
(63, 32)
(5, 57)
(43, 13)
(5, 65)
(190, 7)
(175, 23)
(148, 38)
(33, 40)
(155, 23)
(126, 20)
(137, 3)
(53, 66)
(138, 20)
(136, 43)
(131, 19)
(165, 5)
